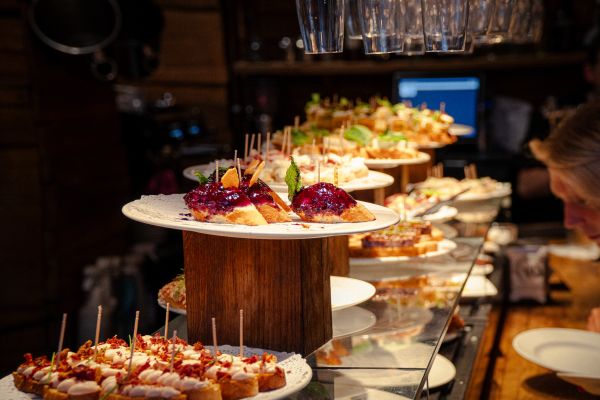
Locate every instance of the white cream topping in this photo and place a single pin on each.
(116, 355)
(150, 391)
(139, 359)
(150, 375)
(188, 384)
(29, 370)
(65, 385)
(212, 372)
(190, 361)
(108, 371)
(84, 387)
(241, 375)
(109, 384)
(169, 379)
(41, 373)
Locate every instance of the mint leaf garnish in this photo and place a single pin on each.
(293, 179)
(201, 178)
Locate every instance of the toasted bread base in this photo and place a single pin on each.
(238, 389)
(211, 392)
(163, 294)
(272, 214)
(357, 213)
(247, 215)
(407, 251)
(270, 381)
(53, 394)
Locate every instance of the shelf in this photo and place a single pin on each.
(345, 67)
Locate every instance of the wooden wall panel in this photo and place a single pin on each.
(12, 34)
(17, 127)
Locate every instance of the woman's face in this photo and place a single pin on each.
(581, 210)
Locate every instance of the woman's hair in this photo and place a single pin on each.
(574, 148)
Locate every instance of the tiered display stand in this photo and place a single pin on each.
(278, 273)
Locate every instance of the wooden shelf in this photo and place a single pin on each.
(440, 63)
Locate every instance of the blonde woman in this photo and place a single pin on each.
(572, 155)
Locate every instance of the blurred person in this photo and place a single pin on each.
(572, 154)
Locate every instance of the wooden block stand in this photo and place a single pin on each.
(282, 286)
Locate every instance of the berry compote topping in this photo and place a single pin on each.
(259, 193)
(321, 198)
(214, 198)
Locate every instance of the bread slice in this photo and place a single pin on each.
(247, 215)
(210, 392)
(356, 213)
(238, 389)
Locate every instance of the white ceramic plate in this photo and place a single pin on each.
(351, 320)
(298, 375)
(445, 213)
(482, 269)
(460, 129)
(345, 292)
(170, 211)
(444, 247)
(442, 371)
(479, 286)
(560, 349)
(590, 383)
(385, 163)
(348, 292)
(503, 189)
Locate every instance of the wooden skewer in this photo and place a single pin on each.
(297, 121)
(423, 106)
(235, 156)
(246, 148)
(214, 334)
(403, 214)
(474, 171)
(335, 176)
(173, 350)
(267, 149)
(284, 140)
(259, 140)
(97, 336)
(289, 138)
(467, 171)
(61, 338)
(314, 150)
(239, 170)
(217, 171)
(167, 315)
(251, 145)
(241, 333)
(318, 170)
(133, 340)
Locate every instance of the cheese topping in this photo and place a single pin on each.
(84, 387)
(65, 385)
(150, 375)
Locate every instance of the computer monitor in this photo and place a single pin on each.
(460, 93)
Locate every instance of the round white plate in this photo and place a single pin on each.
(170, 211)
(297, 373)
(442, 372)
(348, 292)
(385, 163)
(351, 320)
(460, 130)
(503, 189)
(445, 213)
(345, 292)
(561, 349)
(479, 286)
(445, 246)
(482, 269)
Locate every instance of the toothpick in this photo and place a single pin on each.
(318, 170)
(97, 337)
(173, 350)
(442, 107)
(214, 333)
(284, 140)
(217, 171)
(267, 150)
(259, 148)
(296, 121)
(167, 315)
(467, 171)
(343, 147)
(474, 171)
(313, 151)
(239, 170)
(246, 148)
(423, 106)
(241, 333)
(335, 176)
(289, 146)
(234, 156)
(61, 338)
(251, 145)
(133, 340)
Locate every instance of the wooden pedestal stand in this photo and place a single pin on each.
(282, 286)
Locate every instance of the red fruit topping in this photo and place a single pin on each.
(214, 198)
(322, 198)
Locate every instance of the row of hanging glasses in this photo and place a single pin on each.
(412, 27)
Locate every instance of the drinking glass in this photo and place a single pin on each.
(500, 23)
(480, 15)
(414, 43)
(352, 20)
(445, 25)
(382, 25)
(536, 24)
(321, 25)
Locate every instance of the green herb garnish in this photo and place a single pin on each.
(201, 178)
(391, 136)
(359, 134)
(293, 179)
(299, 138)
